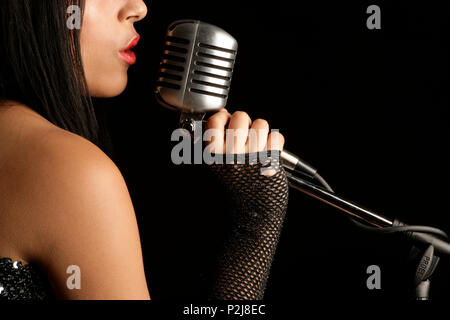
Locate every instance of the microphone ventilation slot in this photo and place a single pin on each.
(208, 46)
(222, 96)
(212, 75)
(169, 85)
(177, 40)
(213, 69)
(171, 70)
(206, 55)
(210, 65)
(171, 57)
(172, 67)
(170, 76)
(210, 84)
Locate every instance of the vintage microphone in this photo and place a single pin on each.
(195, 77)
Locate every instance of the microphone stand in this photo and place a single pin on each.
(192, 122)
(434, 244)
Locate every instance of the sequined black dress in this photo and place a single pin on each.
(22, 282)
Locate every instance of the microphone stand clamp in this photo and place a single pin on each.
(192, 122)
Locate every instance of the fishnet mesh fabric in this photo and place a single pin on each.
(260, 204)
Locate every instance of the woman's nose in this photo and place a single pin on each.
(134, 11)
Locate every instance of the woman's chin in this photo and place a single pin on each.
(109, 88)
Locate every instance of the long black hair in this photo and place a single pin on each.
(41, 65)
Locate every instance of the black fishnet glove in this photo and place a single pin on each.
(260, 204)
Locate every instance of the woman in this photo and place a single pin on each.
(64, 205)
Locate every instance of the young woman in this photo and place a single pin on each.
(63, 202)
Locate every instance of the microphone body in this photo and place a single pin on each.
(196, 67)
(195, 76)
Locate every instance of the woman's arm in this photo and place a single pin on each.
(79, 213)
(259, 191)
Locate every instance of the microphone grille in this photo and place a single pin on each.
(173, 62)
(196, 67)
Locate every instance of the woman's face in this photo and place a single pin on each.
(106, 35)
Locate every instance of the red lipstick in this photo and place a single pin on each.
(126, 53)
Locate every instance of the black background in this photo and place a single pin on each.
(368, 108)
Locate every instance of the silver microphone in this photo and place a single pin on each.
(195, 76)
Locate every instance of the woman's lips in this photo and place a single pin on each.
(128, 55)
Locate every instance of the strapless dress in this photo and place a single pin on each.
(22, 282)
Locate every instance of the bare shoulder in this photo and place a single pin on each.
(45, 171)
(42, 156)
(32, 143)
(54, 152)
(72, 207)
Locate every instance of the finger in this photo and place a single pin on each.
(218, 120)
(237, 132)
(215, 131)
(258, 135)
(275, 141)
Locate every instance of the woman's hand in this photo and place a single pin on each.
(238, 134)
(259, 195)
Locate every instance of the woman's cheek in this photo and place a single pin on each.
(105, 73)
(105, 77)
